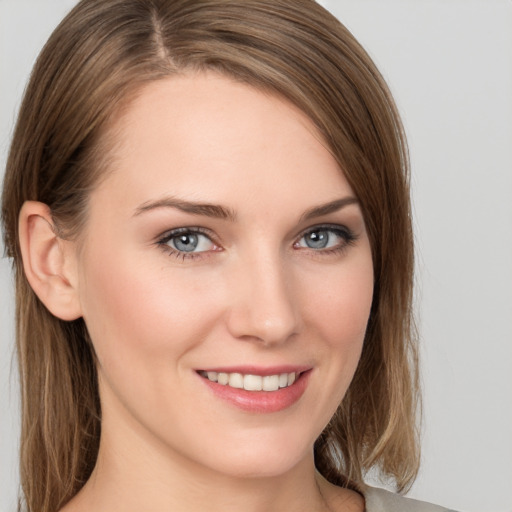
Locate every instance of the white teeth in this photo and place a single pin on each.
(271, 383)
(252, 382)
(236, 380)
(212, 376)
(223, 378)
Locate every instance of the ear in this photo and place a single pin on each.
(49, 261)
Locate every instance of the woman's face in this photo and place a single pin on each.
(226, 245)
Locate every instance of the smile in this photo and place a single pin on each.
(258, 389)
(252, 382)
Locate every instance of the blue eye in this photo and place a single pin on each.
(326, 238)
(185, 241)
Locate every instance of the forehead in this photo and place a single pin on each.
(204, 133)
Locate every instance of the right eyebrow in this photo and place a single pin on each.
(327, 208)
(205, 209)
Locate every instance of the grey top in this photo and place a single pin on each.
(379, 500)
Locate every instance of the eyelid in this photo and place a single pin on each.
(170, 233)
(338, 228)
(165, 237)
(348, 236)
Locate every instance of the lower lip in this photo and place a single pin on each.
(261, 401)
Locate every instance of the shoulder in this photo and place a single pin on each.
(380, 500)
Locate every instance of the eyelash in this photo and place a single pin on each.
(182, 255)
(347, 236)
(348, 239)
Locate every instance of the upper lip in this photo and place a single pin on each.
(258, 370)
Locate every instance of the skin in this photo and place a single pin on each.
(255, 294)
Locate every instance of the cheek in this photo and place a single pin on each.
(141, 313)
(338, 311)
(143, 323)
(340, 300)
(348, 312)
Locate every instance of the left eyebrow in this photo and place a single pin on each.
(330, 207)
(205, 209)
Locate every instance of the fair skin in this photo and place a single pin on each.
(276, 278)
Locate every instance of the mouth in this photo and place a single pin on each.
(258, 390)
(250, 382)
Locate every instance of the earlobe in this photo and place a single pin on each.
(46, 261)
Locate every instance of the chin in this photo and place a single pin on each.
(257, 458)
(257, 467)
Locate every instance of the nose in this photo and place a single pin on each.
(263, 306)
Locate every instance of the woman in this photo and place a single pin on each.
(207, 207)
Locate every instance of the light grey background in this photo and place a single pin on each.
(449, 63)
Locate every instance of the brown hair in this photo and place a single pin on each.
(99, 56)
